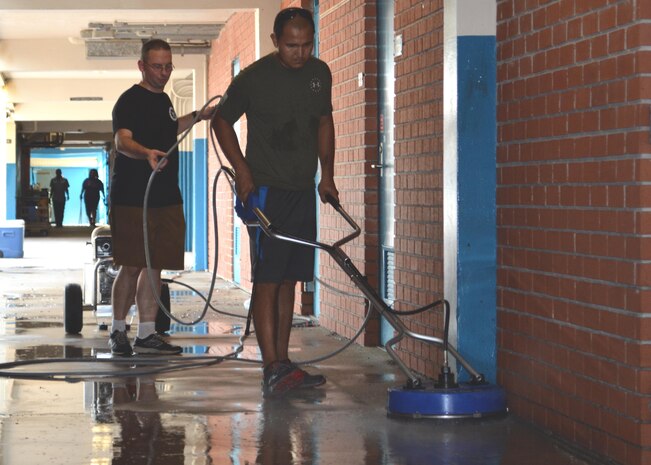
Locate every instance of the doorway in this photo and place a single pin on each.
(75, 165)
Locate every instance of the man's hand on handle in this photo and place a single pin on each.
(327, 187)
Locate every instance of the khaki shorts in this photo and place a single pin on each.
(166, 231)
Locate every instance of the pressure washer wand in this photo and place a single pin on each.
(446, 377)
(346, 264)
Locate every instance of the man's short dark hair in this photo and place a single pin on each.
(288, 14)
(153, 44)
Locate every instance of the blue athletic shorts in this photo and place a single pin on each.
(275, 260)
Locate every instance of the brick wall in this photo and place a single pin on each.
(350, 49)
(235, 41)
(348, 45)
(573, 277)
(418, 179)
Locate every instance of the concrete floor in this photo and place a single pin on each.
(210, 414)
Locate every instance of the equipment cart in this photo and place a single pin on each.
(35, 210)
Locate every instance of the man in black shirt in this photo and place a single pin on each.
(146, 127)
(90, 190)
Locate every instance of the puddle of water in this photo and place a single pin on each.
(379, 377)
(16, 305)
(14, 325)
(31, 324)
(47, 351)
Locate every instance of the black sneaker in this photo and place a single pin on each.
(309, 381)
(280, 377)
(154, 344)
(119, 343)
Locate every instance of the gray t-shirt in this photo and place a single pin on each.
(59, 188)
(283, 108)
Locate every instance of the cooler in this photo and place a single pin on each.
(12, 235)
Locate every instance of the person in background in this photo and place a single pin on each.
(90, 191)
(58, 195)
(286, 97)
(145, 128)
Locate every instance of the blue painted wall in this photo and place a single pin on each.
(477, 242)
(11, 191)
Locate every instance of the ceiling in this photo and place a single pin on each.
(60, 73)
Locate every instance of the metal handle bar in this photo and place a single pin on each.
(272, 231)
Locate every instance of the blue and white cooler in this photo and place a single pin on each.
(12, 236)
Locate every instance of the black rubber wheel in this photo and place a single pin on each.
(162, 320)
(73, 319)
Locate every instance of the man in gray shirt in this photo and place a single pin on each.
(286, 97)
(59, 194)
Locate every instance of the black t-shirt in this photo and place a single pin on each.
(152, 120)
(283, 108)
(92, 187)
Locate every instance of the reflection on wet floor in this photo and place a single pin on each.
(142, 420)
(207, 346)
(215, 338)
(52, 351)
(203, 328)
(216, 414)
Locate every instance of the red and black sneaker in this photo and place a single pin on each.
(280, 377)
(309, 381)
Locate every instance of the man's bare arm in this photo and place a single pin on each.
(231, 147)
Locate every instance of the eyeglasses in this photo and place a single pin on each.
(158, 67)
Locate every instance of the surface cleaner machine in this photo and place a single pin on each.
(418, 398)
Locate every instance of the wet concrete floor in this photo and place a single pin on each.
(85, 407)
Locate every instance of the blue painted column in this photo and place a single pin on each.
(200, 205)
(470, 180)
(11, 191)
